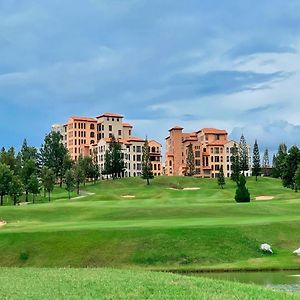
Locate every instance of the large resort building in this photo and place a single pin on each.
(211, 147)
(91, 137)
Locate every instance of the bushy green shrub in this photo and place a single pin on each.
(242, 194)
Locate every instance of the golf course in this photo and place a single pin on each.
(176, 224)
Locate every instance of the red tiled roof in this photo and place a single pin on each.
(176, 128)
(127, 125)
(108, 114)
(213, 131)
(83, 119)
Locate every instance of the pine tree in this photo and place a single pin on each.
(16, 189)
(5, 179)
(242, 193)
(107, 164)
(243, 155)
(33, 186)
(221, 178)
(146, 163)
(266, 162)
(190, 160)
(278, 167)
(235, 164)
(297, 179)
(256, 171)
(290, 166)
(48, 181)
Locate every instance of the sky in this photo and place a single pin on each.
(226, 64)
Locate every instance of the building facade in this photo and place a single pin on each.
(92, 136)
(211, 147)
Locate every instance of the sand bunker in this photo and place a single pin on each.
(2, 223)
(185, 189)
(264, 198)
(128, 196)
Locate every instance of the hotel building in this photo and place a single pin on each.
(92, 136)
(211, 147)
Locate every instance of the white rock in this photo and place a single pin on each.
(297, 252)
(266, 248)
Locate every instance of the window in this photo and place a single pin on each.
(138, 149)
(110, 127)
(92, 135)
(92, 127)
(120, 132)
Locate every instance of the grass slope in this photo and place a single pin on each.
(121, 284)
(161, 228)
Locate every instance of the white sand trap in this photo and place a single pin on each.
(191, 189)
(174, 189)
(2, 223)
(264, 198)
(128, 196)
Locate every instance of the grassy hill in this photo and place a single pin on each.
(164, 227)
(121, 284)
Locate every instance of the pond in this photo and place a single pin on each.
(285, 280)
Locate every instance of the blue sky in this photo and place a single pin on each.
(228, 64)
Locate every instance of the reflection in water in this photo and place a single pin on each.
(289, 281)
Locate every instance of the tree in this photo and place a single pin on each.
(16, 189)
(146, 163)
(107, 164)
(48, 181)
(9, 158)
(266, 162)
(5, 179)
(278, 164)
(78, 176)
(86, 164)
(221, 178)
(289, 167)
(297, 179)
(33, 186)
(235, 164)
(28, 169)
(242, 194)
(190, 160)
(70, 181)
(53, 154)
(243, 155)
(256, 171)
(67, 163)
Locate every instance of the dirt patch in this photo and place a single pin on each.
(128, 196)
(2, 223)
(191, 189)
(264, 198)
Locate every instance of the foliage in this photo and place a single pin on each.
(266, 162)
(256, 170)
(289, 167)
(78, 175)
(235, 163)
(53, 154)
(221, 178)
(70, 181)
(33, 186)
(190, 160)
(146, 163)
(243, 155)
(16, 189)
(242, 193)
(48, 180)
(279, 161)
(5, 179)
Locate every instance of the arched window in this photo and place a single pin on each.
(153, 150)
(92, 127)
(92, 135)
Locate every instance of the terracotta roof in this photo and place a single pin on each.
(155, 142)
(108, 114)
(83, 119)
(127, 125)
(176, 128)
(213, 131)
(135, 139)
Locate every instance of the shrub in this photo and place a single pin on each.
(242, 194)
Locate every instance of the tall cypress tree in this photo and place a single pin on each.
(256, 171)
(235, 163)
(146, 163)
(290, 166)
(190, 160)
(221, 178)
(266, 162)
(243, 155)
(278, 167)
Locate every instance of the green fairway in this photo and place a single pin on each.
(161, 227)
(121, 284)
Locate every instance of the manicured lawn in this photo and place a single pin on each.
(120, 284)
(161, 228)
